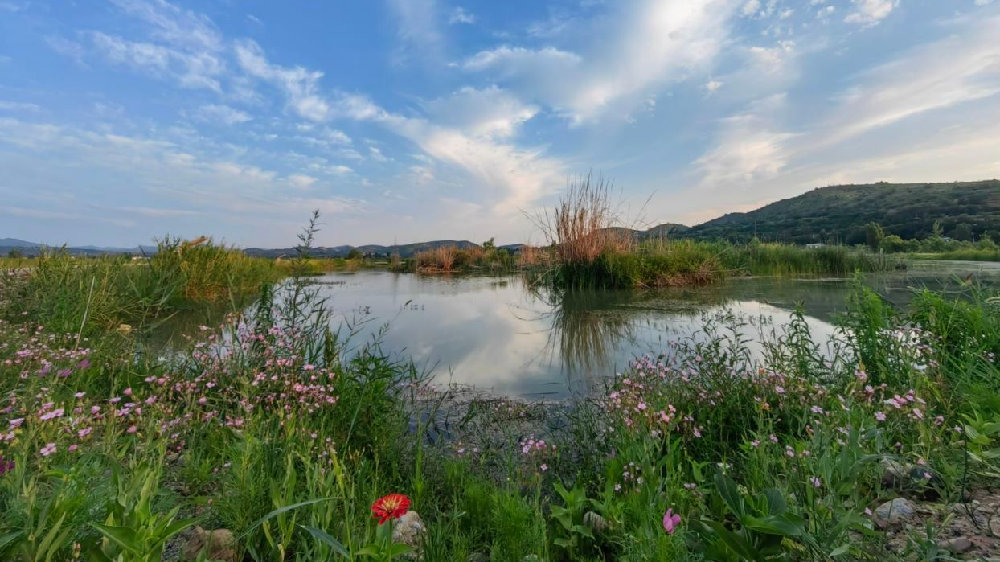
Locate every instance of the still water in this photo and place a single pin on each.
(496, 334)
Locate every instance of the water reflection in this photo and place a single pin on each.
(495, 333)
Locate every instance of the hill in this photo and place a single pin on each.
(404, 250)
(839, 213)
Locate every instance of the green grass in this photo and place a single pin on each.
(689, 262)
(282, 436)
(66, 292)
(969, 254)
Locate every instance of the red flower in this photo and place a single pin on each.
(388, 507)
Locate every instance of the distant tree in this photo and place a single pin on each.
(962, 231)
(15, 253)
(893, 243)
(937, 231)
(874, 235)
(354, 254)
(489, 245)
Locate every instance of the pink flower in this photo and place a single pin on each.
(880, 416)
(48, 449)
(670, 520)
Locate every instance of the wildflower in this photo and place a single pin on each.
(544, 467)
(16, 423)
(816, 482)
(755, 443)
(880, 416)
(5, 466)
(388, 507)
(48, 449)
(670, 521)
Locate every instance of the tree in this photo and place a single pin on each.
(874, 235)
(354, 254)
(962, 231)
(15, 253)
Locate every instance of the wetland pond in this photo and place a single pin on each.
(497, 335)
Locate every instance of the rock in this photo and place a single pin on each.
(595, 521)
(219, 544)
(410, 530)
(995, 525)
(894, 512)
(957, 545)
(893, 473)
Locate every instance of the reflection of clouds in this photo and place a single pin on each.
(475, 331)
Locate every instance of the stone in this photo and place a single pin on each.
(894, 512)
(219, 544)
(995, 525)
(410, 530)
(957, 545)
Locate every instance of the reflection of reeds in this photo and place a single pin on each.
(586, 332)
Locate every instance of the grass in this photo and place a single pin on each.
(92, 295)
(969, 254)
(590, 252)
(269, 428)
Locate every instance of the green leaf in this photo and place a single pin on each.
(325, 538)
(278, 512)
(840, 550)
(9, 538)
(735, 542)
(124, 536)
(729, 493)
(776, 504)
(786, 524)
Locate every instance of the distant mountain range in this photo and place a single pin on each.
(838, 214)
(835, 214)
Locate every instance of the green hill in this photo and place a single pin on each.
(964, 210)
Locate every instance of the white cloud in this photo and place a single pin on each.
(748, 149)
(301, 181)
(175, 26)
(751, 8)
(960, 68)
(190, 70)
(459, 15)
(713, 85)
(222, 114)
(870, 12)
(18, 106)
(417, 28)
(488, 112)
(653, 43)
(300, 86)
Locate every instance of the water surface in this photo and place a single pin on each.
(496, 334)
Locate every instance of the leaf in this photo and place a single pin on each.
(730, 494)
(325, 538)
(735, 542)
(9, 538)
(278, 512)
(124, 536)
(776, 504)
(786, 524)
(840, 550)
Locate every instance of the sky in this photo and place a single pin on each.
(122, 121)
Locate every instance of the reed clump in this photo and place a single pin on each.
(135, 290)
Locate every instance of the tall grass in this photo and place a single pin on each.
(592, 251)
(69, 293)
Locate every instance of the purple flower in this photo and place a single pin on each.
(5, 466)
(670, 521)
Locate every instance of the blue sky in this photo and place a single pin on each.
(405, 120)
